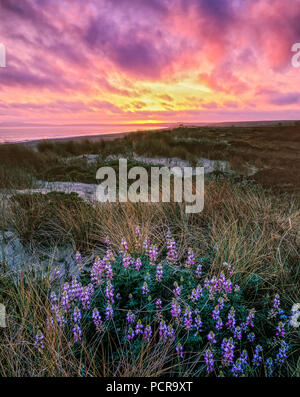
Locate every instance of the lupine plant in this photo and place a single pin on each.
(152, 298)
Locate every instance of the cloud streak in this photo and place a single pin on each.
(133, 60)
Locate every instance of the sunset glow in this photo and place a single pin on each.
(148, 61)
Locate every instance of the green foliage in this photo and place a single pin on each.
(69, 173)
(129, 298)
(16, 178)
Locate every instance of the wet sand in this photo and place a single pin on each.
(91, 138)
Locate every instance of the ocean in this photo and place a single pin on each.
(31, 132)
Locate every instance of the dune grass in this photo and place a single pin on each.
(254, 229)
(250, 228)
(273, 150)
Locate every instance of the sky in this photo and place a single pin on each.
(138, 61)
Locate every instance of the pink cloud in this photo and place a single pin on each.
(90, 54)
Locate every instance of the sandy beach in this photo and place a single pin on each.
(92, 138)
(116, 135)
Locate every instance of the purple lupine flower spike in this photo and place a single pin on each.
(139, 328)
(39, 341)
(153, 254)
(179, 350)
(97, 319)
(172, 255)
(190, 259)
(77, 333)
(77, 315)
(109, 313)
(145, 289)
(257, 358)
(147, 333)
(211, 337)
(188, 321)
(130, 317)
(130, 333)
(159, 272)
(138, 264)
(209, 360)
(280, 331)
